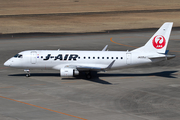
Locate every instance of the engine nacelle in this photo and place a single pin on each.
(68, 72)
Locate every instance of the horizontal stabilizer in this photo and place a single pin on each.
(168, 57)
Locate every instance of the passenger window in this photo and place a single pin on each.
(112, 58)
(41, 56)
(84, 57)
(121, 57)
(98, 57)
(93, 57)
(78, 57)
(107, 57)
(102, 57)
(89, 57)
(116, 57)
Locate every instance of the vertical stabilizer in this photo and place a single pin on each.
(158, 42)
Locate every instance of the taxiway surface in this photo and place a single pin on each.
(148, 92)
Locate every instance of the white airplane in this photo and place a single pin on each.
(70, 62)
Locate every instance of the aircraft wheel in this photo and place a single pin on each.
(27, 75)
(27, 72)
(88, 76)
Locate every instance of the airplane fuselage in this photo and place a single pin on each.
(56, 59)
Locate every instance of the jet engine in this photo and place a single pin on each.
(68, 72)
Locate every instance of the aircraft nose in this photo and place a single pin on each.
(7, 63)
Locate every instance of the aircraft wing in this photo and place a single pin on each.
(90, 67)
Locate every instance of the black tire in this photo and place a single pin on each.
(88, 76)
(27, 75)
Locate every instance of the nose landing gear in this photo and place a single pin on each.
(27, 72)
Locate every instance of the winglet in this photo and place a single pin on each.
(110, 65)
(105, 48)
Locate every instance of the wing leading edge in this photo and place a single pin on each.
(90, 68)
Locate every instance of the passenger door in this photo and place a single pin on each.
(33, 57)
(128, 58)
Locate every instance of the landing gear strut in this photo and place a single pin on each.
(88, 75)
(27, 73)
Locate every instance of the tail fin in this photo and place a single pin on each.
(158, 42)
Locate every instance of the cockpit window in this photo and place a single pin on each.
(18, 56)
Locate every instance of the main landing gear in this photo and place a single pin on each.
(27, 72)
(88, 75)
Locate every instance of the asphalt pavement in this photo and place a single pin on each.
(148, 92)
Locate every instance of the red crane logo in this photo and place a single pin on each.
(159, 42)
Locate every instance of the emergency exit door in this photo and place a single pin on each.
(128, 58)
